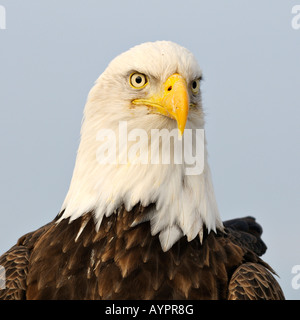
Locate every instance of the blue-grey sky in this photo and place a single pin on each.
(51, 52)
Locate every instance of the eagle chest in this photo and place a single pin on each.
(121, 262)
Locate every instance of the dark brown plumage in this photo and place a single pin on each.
(124, 262)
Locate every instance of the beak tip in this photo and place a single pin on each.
(180, 133)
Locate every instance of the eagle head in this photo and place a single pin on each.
(142, 118)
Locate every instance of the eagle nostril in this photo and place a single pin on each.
(170, 88)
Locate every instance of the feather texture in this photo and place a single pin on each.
(124, 262)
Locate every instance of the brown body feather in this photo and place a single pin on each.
(72, 261)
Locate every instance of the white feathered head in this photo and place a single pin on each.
(141, 120)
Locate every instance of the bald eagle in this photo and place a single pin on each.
(136, 223)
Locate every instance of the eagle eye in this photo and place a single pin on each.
(195, 86)
(138, 80)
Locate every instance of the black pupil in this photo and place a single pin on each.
(194, 85)
(138, 79)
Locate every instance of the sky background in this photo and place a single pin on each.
(52, 52)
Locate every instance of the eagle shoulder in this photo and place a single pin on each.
(14, 266)
(253, 281)
(246, 233)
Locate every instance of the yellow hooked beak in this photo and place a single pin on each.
(172, 101)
